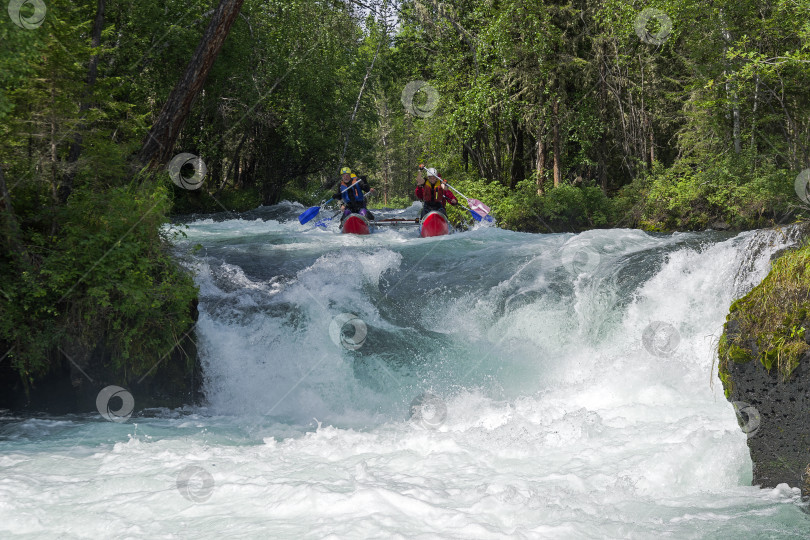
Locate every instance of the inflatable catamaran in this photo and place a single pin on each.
(433, 224)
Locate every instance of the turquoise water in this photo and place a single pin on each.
(487, 384)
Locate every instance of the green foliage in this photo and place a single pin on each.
(679, 135)
(563, 209)
(571, 208)
(693, 196)
(393, 202)
(18, 50)
(106, 279)
(289, 75)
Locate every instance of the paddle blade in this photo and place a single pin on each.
(479, 207)
(475, 216)
(322, 223)
(308, 214)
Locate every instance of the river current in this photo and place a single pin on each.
(485, 384)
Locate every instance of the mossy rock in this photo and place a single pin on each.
(739, 355)
(770, 322)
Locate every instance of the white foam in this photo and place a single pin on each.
(559, 422)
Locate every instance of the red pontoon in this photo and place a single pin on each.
(434, 224)
(355, 224)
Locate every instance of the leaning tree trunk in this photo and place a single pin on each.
(159, 143)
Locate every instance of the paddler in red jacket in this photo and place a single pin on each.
(433, 192)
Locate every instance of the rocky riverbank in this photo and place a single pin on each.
(80, 373)
(764, 363)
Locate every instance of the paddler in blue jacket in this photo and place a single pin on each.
(350, 191)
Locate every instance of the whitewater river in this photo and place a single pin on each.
(487, 384)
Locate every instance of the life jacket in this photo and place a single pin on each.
(433, 193)
(352, 193)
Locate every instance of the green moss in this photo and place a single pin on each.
(773, 316)
(725, 378)
(739, 355)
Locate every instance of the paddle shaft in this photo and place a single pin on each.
(397, 222)
(457, 191)
(343, 190)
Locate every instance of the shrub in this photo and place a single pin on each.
(693, 196)
(106, 278)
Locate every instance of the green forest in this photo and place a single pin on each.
(562, 115)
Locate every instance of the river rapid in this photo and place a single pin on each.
(485, 384)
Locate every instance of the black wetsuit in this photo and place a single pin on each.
(432, 206)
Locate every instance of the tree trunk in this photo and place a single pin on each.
(517, 172)
(53, 154)
(477, 153)
(465, 157)
(754, 117)
(360, 94)
(495, 150)
(234, 169)
(731, 93)
(541, 165)
(159, 143)
(385, 128)
(249, 178)
(736, 128)
(216, 172)
(643, 123)
(603, 108)
(555, 109)
(66, 186)
(603, 177)
(626, 147)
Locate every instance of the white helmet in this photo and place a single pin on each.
(432, 172)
